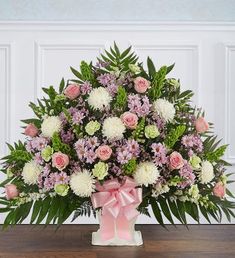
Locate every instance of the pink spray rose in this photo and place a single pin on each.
(104, 152)
(176, 160)
(72, 91)
(219, 190)
(130, 120)
(141, 84)
(11, 191)
(60, 160)
(201, 125)
(31, 130)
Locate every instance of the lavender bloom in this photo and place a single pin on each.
(39, 143)
(193, 142)
(123, 156)
(67, 137)
(46, 170)
(139, 105)
(85, 149)
(63, 118)
(133, 147)
(106, 79)
(159, 154)
(61, 178)
(85, 88)
(38, 158)
(130, 149)
(90, 156)
(112, 89)
(77, 117)
(92, 142)
(186, 172)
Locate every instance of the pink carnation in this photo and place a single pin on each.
(201, 125)
(130, 120)
(11, 191)
(72, 91)
(219, 190)
(176, 160)
(141, 84)
(104, 152)
(60, 160)
(31, 130)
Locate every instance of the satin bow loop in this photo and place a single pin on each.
(118, 203)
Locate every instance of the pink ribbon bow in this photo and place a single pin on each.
(118, 203)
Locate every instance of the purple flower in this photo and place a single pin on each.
(77, 117)
(159, 154)
(133, 147)
(38, 158)
(192, 142)
(67, 137)
(85, 88)
(130, 149)
(85, 149)
(112, 89)
(106, 79)
(186, 172)
(139, 105)
(61, 178)
(39, 143)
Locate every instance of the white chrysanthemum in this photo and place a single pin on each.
(83, 183)
(51, 125)
(146, 173)
(30, 172)
(207, 172)
(164, 109)
(99, 98)
(113, 128)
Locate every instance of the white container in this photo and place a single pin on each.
(136, 237)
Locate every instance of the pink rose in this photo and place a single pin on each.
(201, 125)
(141, 84)
(104, 152)
(60, 160)
(31, 130)
(176, 160)
(130, 120)
(72, 91)
(219, 190)
(11, 191)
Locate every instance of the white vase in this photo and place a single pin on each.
(136, 237)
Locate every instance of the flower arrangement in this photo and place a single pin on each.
(116, 123)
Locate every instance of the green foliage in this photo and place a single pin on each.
(217, 154)
(36, 122)
(157, 82)
(86, 71)
(62, 86)
(121, 99)
(174, 135)
(138, 133)
(118, 61)
(58, 145)
(18, 154)
(85, 209)
(130, 167)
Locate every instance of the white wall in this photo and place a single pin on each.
(35, 54)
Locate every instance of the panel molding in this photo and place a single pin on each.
(39, 54)
(228, 47)
(8, 49)
(116, 25)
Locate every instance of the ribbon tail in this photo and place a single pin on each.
(123, 227)
(107, 227)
